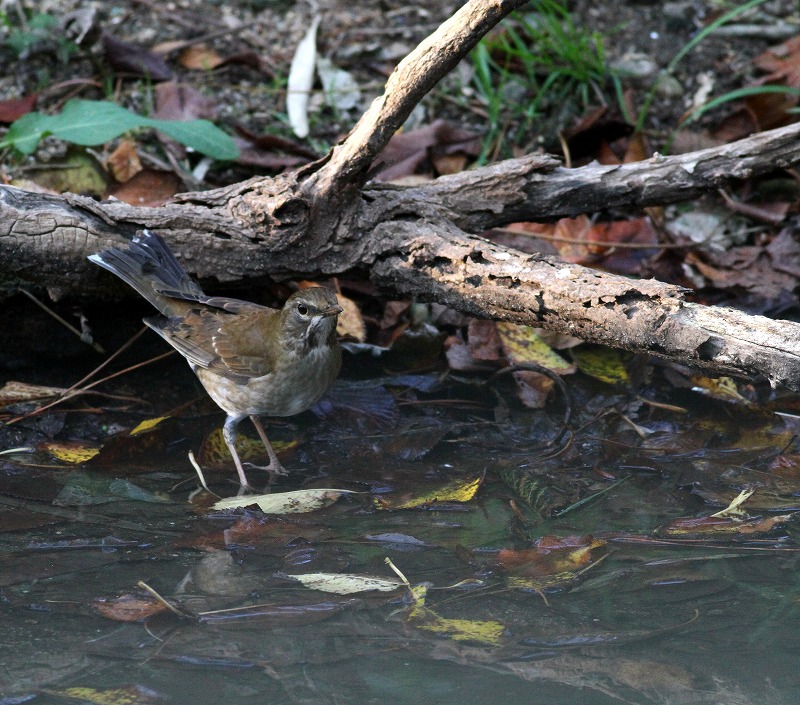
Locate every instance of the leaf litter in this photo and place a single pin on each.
(676, 467)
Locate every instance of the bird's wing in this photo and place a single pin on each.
(237, 346)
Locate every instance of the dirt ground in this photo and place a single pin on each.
(368, 39)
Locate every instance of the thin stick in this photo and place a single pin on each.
(50, 312)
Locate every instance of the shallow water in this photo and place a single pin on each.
(692, 620)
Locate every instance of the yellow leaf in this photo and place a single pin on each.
(722, 388)
(113, 696)
(600, 362)
(148, 424)
(459, 491)
(522, 344)
(73, 453)
(214, 451)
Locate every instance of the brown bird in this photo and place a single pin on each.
(252, 360)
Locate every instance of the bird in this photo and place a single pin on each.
(252, 360)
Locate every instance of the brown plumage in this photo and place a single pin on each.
(252, 360)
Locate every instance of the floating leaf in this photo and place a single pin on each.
(458, 491)
(296, 502)
(93, 122)
(346, 584)
(148, 424)
(484, 632)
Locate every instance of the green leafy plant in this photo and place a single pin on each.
(39, 31)
(544, 58)
(90, 122)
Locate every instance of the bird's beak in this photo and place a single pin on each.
(332, 310)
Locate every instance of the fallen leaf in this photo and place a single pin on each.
(73, 452)
(129, 695)
(457, 491)
(148, 188)
(134, 60)
(128, 608)
(18, 392)
(482, 632)
(297, 502)
(601, 362)
(179, 101)
(14, 108)
(199, 56)
(406, 151)
(301, 79)
(351, 323)
(340, 88)
(346, 584)
(124, 162)
(214, 450)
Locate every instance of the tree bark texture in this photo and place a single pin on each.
(424, 241)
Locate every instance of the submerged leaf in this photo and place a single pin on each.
(69, 452)
(458, 491)
(346, 584)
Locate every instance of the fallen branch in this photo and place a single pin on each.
(323, 219)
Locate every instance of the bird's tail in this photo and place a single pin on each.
(149, 267)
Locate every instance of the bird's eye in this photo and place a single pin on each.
(302, 309)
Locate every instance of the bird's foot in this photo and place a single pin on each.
(272, 468)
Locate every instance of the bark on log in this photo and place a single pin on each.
(323, 219)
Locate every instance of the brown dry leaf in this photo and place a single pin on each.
(351, 323)
(782, 62)
(124, 163)
(128, 608)
(407, 151)
(483, 340)
(148, 188)
(199, 56)
(561, 557)
(450, 163)
(134, 60)
(18, 392)
(14, 108)
(179, 101)
(711, 525)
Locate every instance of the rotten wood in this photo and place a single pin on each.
(423, 241)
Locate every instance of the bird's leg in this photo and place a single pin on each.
(274, 467)
(229, 434)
